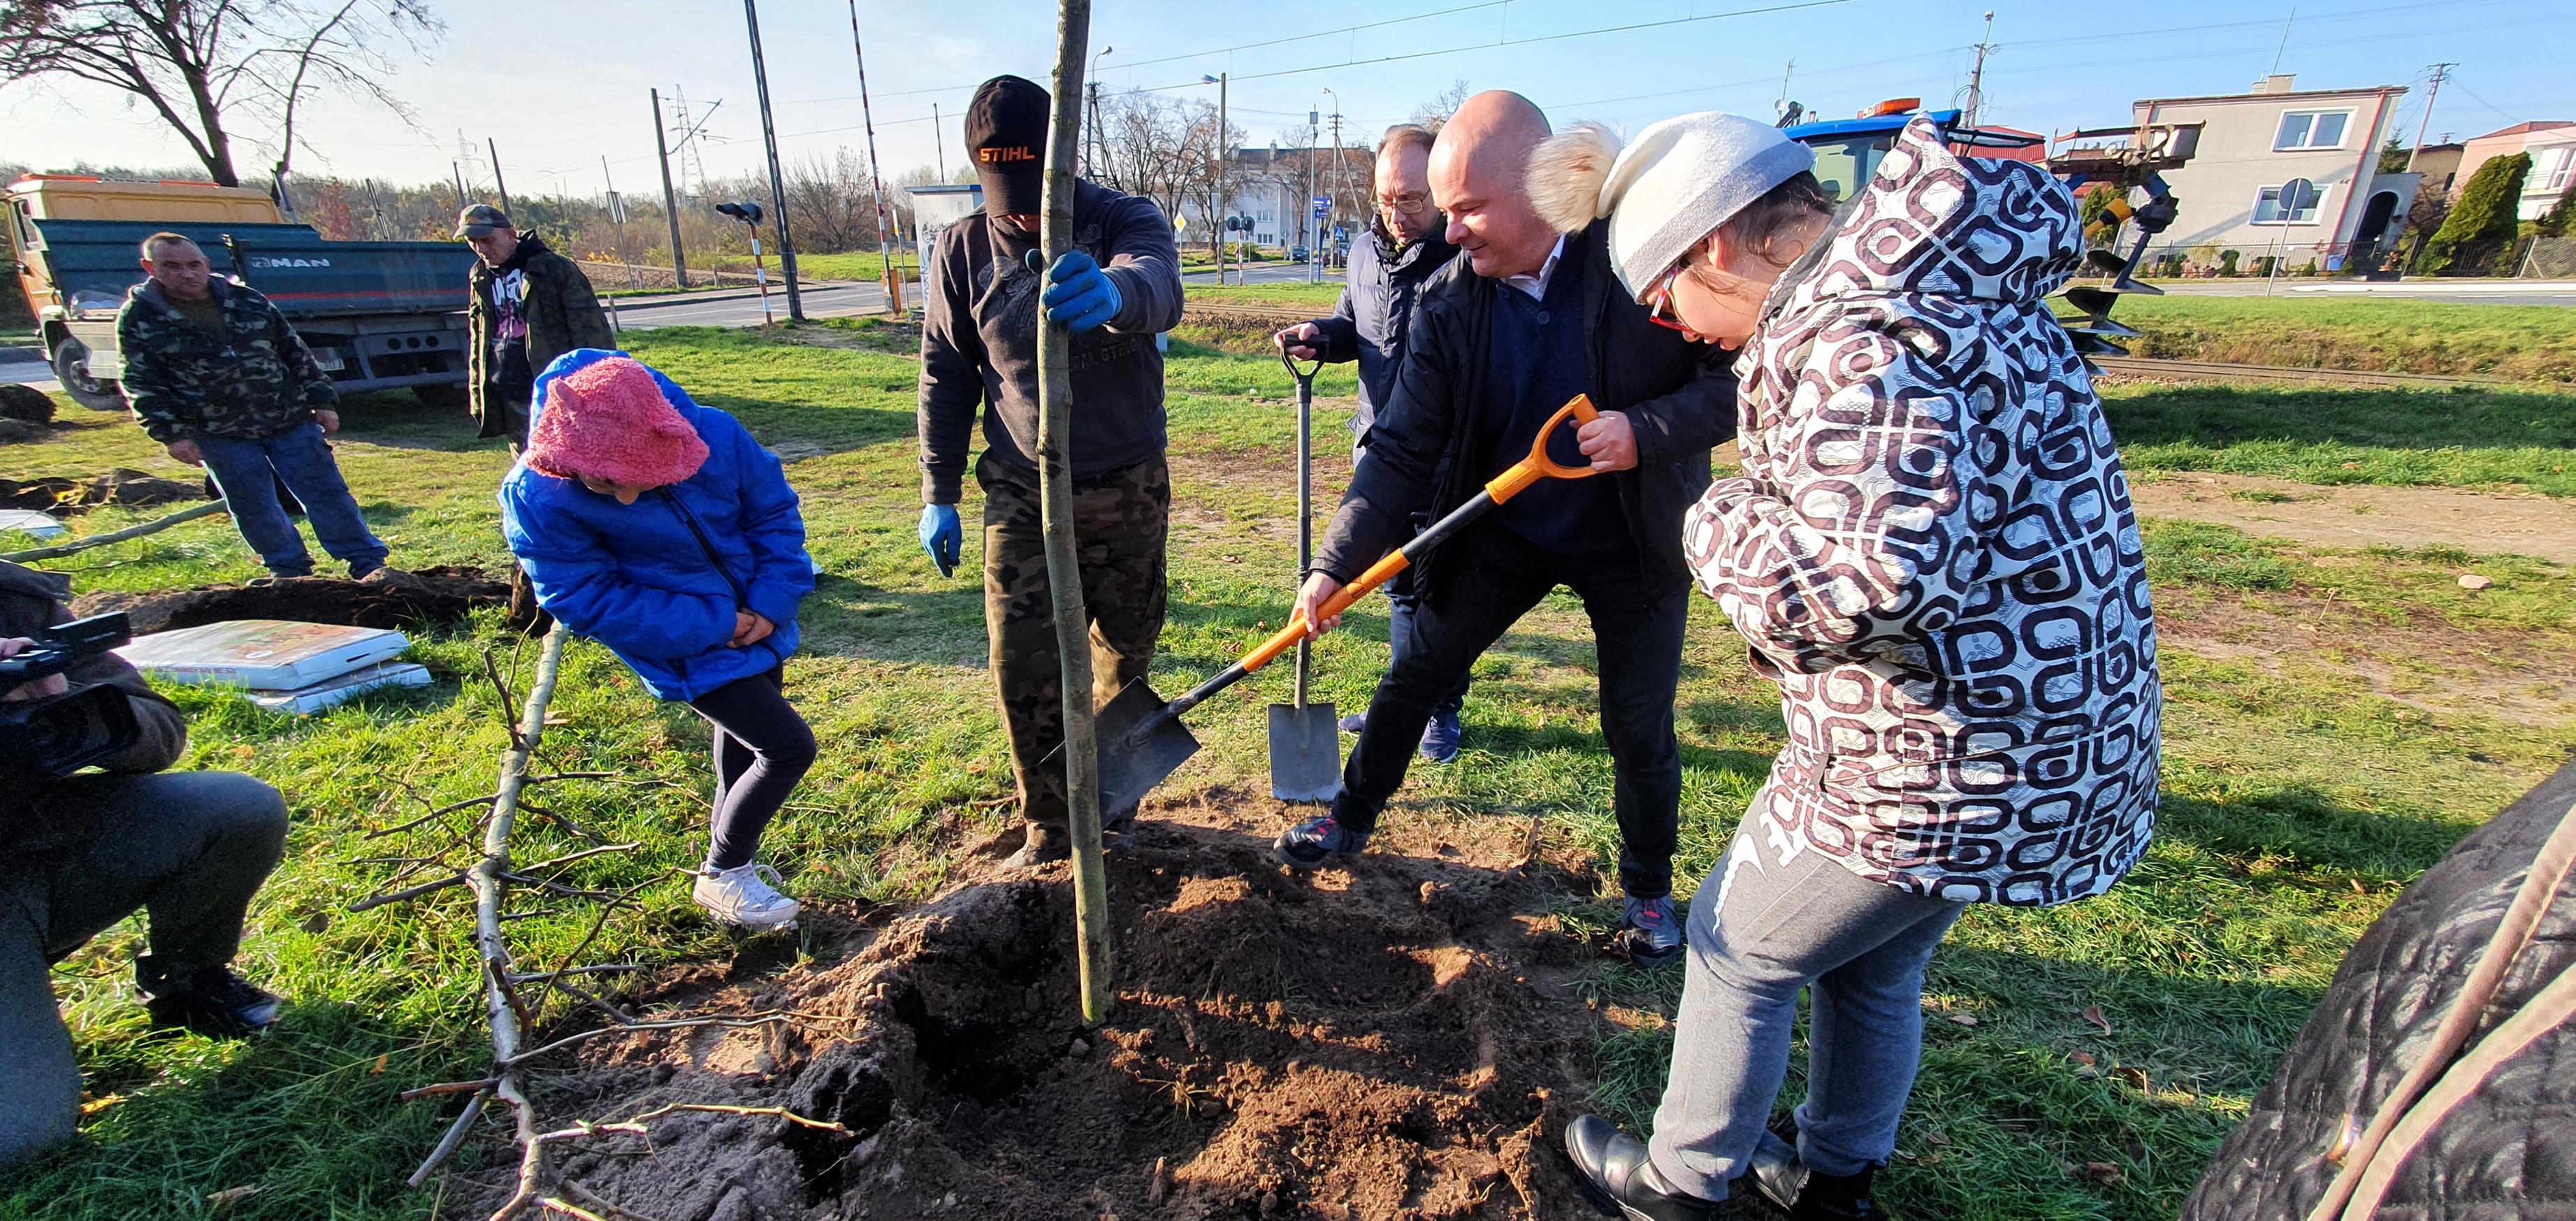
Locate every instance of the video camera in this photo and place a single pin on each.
(68, 732)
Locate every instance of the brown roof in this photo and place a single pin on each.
(2525, 129)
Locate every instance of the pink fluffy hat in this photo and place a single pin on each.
(608, 420)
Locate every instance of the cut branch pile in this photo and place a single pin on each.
(506, 989)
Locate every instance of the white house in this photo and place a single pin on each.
(2286, 173)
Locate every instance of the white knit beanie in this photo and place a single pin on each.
(1670, 187)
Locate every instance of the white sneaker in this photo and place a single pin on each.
(746, 897)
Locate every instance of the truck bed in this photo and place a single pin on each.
(94, 262)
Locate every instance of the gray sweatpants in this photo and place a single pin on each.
(1766, 924)
(192, 847)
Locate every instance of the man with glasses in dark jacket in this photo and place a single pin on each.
(1403, 248)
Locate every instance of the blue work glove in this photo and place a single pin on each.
(940, 536)
(1079, 294)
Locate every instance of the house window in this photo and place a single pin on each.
(2558, 161)
(2291, 203)
(2311, 129)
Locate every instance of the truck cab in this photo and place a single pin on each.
(377, 315)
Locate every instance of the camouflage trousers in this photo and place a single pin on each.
(1121, 523)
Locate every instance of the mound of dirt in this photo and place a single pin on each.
(119, 487)
(1397, 1040)
(426, 598)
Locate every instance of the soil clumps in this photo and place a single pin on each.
(429, 597)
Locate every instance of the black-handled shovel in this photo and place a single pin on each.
(1305, 753)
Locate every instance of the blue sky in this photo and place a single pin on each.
(560, 84)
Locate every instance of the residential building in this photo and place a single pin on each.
(2439, 164)
(1274, 187)
(2552, 145)
(2286, 173)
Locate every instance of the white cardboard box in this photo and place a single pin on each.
(340, 690)
(263, 654)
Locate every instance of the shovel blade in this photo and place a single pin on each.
(1305, 753)
(1133, 762)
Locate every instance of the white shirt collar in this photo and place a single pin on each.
(1536, 285)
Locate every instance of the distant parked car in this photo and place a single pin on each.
(1298, 254)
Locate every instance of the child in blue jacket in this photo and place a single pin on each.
(661, 529)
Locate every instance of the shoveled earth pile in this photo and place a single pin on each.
(1395, 1040)
(425, 598)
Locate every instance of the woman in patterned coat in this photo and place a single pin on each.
(1932, 551)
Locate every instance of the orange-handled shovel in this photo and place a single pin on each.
(1142, 739)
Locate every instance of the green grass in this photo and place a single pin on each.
(2297, 806)
(1321, 295)
(2519, 342)
(856, 265)
(2484, 439)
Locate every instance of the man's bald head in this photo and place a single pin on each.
(1478, 169)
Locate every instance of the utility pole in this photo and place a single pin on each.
(617, 213)
(938, 145)
(458, 168)
(1315, 247)
(777, 181)
(1976, 75)
(1218, 214)
(1341, 165)
(876, 181)
(2439, 72)
(497, 184)
(670, 200)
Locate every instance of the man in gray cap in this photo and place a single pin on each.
(530, 306)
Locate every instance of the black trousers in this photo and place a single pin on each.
(762, 749)
(1486, 580)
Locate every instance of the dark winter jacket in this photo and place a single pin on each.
(1368, 323)
(979, 344)
(1932, 551)
(254, 381)
(2509, 1150)
(31, 601)
(659, 581)
(562, 314)
(1679, 398)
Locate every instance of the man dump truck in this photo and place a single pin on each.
(377, 315)
(2130, 160)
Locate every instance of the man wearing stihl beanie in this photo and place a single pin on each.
(1118, 287)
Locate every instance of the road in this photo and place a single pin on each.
(1266, 273)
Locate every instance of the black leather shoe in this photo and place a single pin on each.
(1809, 1195)
(1614, 1166)
(1045, 845)
(212, 1001)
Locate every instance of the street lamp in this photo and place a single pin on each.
(748, 212)
(1091, 81)
(1219, 80)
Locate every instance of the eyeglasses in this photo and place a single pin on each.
(1410, 201)
(1659, 299)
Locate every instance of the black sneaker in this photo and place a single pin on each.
(1319, 839)
(1811, 1195)
(1353, 723)
(211, 1001)
(1044, 845)
(1650, 931)
(1617, 1173)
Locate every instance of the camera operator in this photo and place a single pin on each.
(87, 849)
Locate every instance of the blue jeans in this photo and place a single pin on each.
(246, 472)
(1765, 925)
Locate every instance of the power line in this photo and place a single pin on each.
(1518, 42)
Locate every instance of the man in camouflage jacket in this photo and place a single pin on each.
(530, 306)
(221, 379)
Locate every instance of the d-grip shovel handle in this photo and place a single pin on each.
(1306, 376)
(1500, 488)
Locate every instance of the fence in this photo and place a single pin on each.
(2541, 258)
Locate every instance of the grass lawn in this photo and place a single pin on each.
(2518, 342)
(856, 265)
(2304, 790)
(1321, 295)
(2501, 440)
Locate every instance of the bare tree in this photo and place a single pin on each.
(1146, 148)
(1430, 115)
(213, 68)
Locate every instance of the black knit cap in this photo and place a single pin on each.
(1006, 132)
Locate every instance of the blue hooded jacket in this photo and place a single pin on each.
(659, 581)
